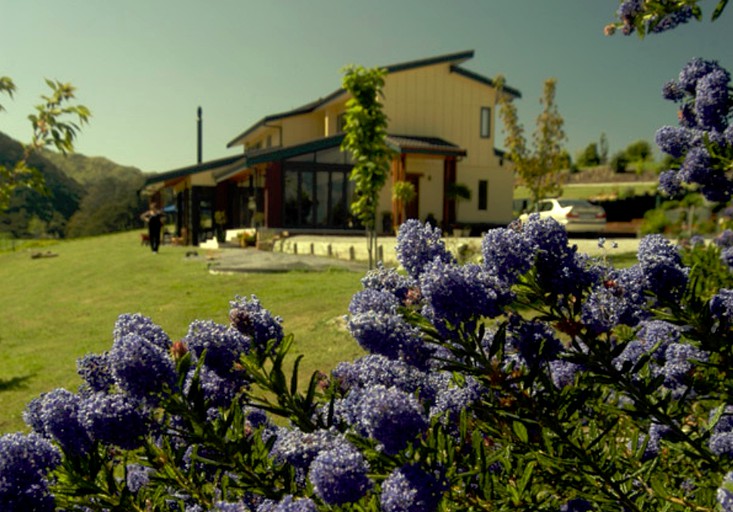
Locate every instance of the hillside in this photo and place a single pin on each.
(87, 195)
(90, 169)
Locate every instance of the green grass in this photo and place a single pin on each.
(584, 191)
(54, 310)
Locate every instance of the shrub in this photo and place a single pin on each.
(538, 379)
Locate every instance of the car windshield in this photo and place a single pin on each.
(575, 202)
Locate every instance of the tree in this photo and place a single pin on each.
(538, 168)
(365, 138)
(655, 16)
(639, 152)
(603, 149)
(589, 156)
(52, 128)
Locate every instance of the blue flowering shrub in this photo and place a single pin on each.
(539, 379)
(703, 140)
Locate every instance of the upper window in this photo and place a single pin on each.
(483, 194)
(485, 122)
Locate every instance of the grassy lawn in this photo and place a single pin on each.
(586, 190)
(54, 310)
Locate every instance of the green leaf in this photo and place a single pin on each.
(719, 9)
(520, 431)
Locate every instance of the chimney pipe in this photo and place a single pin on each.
(199, 137)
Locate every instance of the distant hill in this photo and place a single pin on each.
(90, 169)
(87, 195)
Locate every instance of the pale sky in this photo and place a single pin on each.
(144, 66)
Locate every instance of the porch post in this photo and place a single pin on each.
(449, 203)
(398, 174)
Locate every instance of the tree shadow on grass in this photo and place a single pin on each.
(14, 382)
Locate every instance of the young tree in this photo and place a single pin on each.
(538, 168)
(603, 149)
(589, 156)
(51, 128)
(365, 138)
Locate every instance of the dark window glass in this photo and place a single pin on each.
(483, 194)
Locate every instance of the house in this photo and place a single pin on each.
(291, 173)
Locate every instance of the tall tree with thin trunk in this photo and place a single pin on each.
(537, 168)
(365, 138)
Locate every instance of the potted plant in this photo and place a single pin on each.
(402, 193)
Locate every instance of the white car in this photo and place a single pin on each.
(577, 215)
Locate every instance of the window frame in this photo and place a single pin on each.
(485, 123)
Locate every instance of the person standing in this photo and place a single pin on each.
(154, 218)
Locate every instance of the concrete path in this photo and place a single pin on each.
(321, 253)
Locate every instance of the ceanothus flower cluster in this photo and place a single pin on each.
(634, 14)
(703, 141)
(475, 375)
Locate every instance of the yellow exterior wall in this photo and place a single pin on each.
(428, 101)
(433, 101)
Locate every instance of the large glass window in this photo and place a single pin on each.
(316, 196)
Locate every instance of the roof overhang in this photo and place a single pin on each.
(155, 182)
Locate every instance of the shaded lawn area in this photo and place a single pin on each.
(55, 310)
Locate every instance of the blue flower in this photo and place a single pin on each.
(670, 183)
(388, 280)
(451, 399)
(680, 360)
(712, 101)
(224, 345)
(138, 476)
(378, 301)
(506, 254)
(254, 321)
(656, 433)
(140, 367)
(671, 91)
(577, 505)
(412, 488)
(563, 372)
(457, 294)
(113, 420)
(298, 448)
(388, 415)
(218, 391)
(725, 493)
(673, 140)
(721, 307)
(661, 266)
(672, 20)
(339, 474)
(658, 335)
(96, 372)
(418, 245)
(56, 415)
(389, 335)
(288, 504)
(693, 71)
(25, 460)
(724, 239)
(558, 268)
(223, 506)
(141, 326)
(375, 369)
